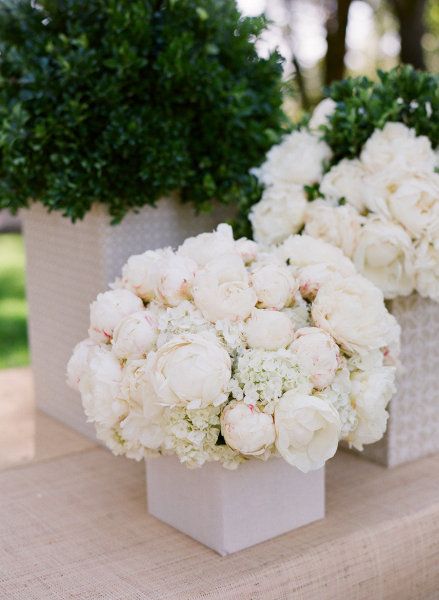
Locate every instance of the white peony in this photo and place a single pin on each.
(324, 109)
(311, 278)
(100, 387)
(174, 279)
(298, 159)
(273, 284)
(415, 204)
(317, 355)
(246, 429)
(303, 250)
(410, 200)
(221, 290)
(345, 180)
(135, 335)
(205, 247)
(145, 421)
(353, 312)
(108, 310)
(78, 364)
(427, 269)
(268, 329)
(139, 274)
(190, 370)
(307, 430)
(247, 249)
(398, 148)
(280, 213)
(385, 255)
(337, 225)
(370, 394)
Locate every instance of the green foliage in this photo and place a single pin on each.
(13, 310)
(401, 94)
(124, 101)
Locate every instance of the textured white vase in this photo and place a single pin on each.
(68, 265)
(232, 510)
(413, 427)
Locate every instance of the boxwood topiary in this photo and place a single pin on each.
(124, 101)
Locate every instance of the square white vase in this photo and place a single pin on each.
(232, 510)
(68, 264)
(413, 426)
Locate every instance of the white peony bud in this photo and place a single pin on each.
(108, 310)
(205, 247)
(78, 363)
(317, 355)
(191, 371)
(307, 430)
(221, 289)
(174, 279)
(135, 335)
(312, 277)
(139, 274)
(247, 249)
(274, 284)
(246, 429)
(268, 330)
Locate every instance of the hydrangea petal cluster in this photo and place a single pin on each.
(381, 208)
(225, 351)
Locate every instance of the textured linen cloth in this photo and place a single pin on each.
(76, 527)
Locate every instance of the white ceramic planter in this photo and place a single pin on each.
(413, 427)
(232, 510)
(68, 265)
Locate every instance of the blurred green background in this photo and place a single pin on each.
(320, 40)
(13, 310)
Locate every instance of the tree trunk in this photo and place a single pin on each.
(336, 26)
(410, 15)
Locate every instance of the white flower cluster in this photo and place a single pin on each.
(220, 351)
(381, 209)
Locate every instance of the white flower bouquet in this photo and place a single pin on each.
(381, 209)
(220, 351)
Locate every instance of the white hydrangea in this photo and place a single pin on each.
(264, 376)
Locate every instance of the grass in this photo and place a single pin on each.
(13, 307)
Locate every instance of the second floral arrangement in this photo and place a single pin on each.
(371, 191)
(220, 351)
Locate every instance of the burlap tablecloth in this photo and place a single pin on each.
(75, 526)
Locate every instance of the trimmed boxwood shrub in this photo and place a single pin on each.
(402, 94)
(124, 101)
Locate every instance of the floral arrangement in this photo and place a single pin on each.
(220, 351)
(378, 202)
